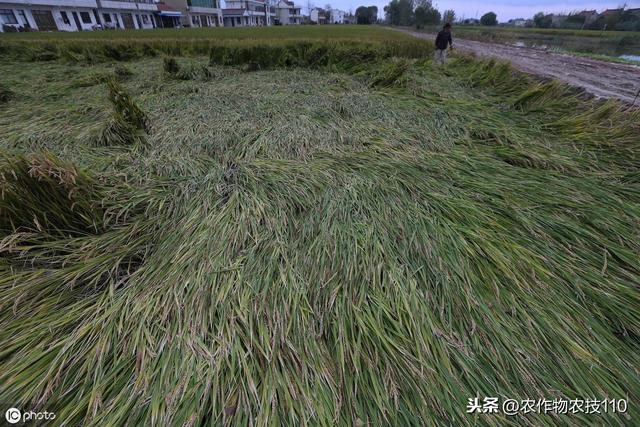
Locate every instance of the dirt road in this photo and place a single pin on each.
(600, 78)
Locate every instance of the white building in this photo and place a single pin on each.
(126, 14)
(192, 13)
(519, 22)
(75, 15)
(318, 16)
(335, 16)
(48, 15)
(248, 13)
(288, 13)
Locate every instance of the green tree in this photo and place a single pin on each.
(366, 15)
(489, 19)
(399, 12)
(392, 12)
(449, 16)
(420, 16)
(406, 12)
(628, 21)
(426, 14)
(540, 20)
(373, 14)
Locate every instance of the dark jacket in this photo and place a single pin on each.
(443, 39)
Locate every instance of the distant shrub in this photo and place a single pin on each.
(489, 19)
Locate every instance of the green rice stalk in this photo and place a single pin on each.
(118, 131)
(125, 107)
(42, 192)
(389, 74)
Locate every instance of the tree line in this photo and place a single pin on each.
(619, 19)
(422, 13)
(366, 15)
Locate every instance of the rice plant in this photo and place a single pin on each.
(125, 107)
(126, 124)
(118, 131)
(342, 236)
(43, 194)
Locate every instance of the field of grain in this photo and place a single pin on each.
(309, 231)
(307, 32)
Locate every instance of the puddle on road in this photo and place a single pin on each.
(634, 58)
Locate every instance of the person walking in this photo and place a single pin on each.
(443, 40)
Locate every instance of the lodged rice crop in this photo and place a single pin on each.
(330, 239)
(283, 50)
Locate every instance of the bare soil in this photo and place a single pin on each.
(600, 78)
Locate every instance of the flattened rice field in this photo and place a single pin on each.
(313, 230)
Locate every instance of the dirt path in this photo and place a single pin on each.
(600, 78)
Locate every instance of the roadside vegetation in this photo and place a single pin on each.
(309, 232)
(609, 43)
(569, 33)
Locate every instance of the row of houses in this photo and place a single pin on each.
(244, 13)
(83, 15)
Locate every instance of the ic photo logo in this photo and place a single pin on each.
(13, 415)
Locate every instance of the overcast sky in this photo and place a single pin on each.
(506, 9)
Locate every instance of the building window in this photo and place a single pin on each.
(24, 19)
(86, 18)
(106, 17)
(7, 17)
(65, 18)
